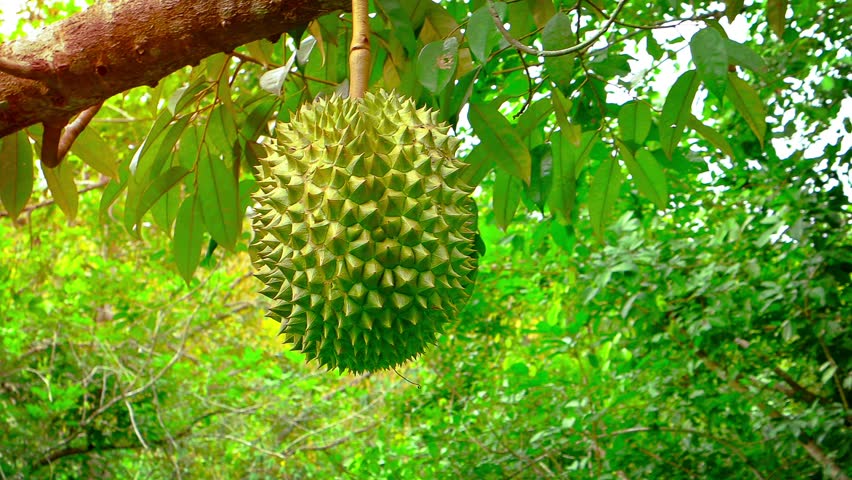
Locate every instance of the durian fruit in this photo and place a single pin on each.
(364, 233)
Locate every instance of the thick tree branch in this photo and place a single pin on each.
(117, 45)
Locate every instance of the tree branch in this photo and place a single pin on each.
(114, 46)
(553, 53)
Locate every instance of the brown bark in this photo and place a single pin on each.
(116, 45)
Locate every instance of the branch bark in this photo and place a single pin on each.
(114, 46)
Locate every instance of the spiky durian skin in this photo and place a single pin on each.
(364, 233)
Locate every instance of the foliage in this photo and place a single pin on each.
(665, 290)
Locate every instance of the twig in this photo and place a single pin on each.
(135, 427)
(94, 186)
(553, 53)
(75, 128)
(56, 142)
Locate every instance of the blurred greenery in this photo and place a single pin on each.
(707, 339)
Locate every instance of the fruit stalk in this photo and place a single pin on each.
(359, 49)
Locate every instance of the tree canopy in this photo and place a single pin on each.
(663, 195)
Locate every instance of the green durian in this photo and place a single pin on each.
(364, 233)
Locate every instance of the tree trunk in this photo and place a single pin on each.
(116, 45)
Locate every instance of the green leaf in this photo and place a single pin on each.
(568, 160)
(478, 165)
(742, 55)
(732, 9)
(436, 64)
(607, 65)
(776, 12)
(748, 104)
(710, 55)
(648, 175)
(561, 107)
(542, 175)
(654, 48)
(499, 139)
(507, 196)
(96, 153)
(141, 163)
(676, 110)
(159, 187)
(108, 198)
(16, 172)
(222, 131)
(400, 24)
(189, 234)
(634, 121)
(715, 138)
(184, 96)
(60, 181)
(542, 11)
(165, 209)
(255, 122)
(603, 193)
(557, 35)
(482, 35)
(535, 115)
(218, 194)
(164, 149)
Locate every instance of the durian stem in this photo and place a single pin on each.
(359, 49)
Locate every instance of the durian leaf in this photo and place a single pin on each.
(603, 193)
(542, 11)
(507, 196)
(303, 53)
(159, 187)
(165, 209)
(561, 106)
(273, 80)
(437, 62)
(711, 59)
(400, 24)
(732, 9)
(747, 102)
(482, 35)
(16, 165)
(744, 56)
(165, 148)
(222, 131)
(558, 34)
(568, 161)
(535, 115)
(96, 153)
(776, 12)
(60, 181)
(715, 138)
(634, 121)
(184, 96)
(478, 166)
(187, 240)
(217, 192)
(108, 198)
(676, 110)
(140, 165)
(542, 175)
(499, 139)
(256, 121)
(648, 175)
